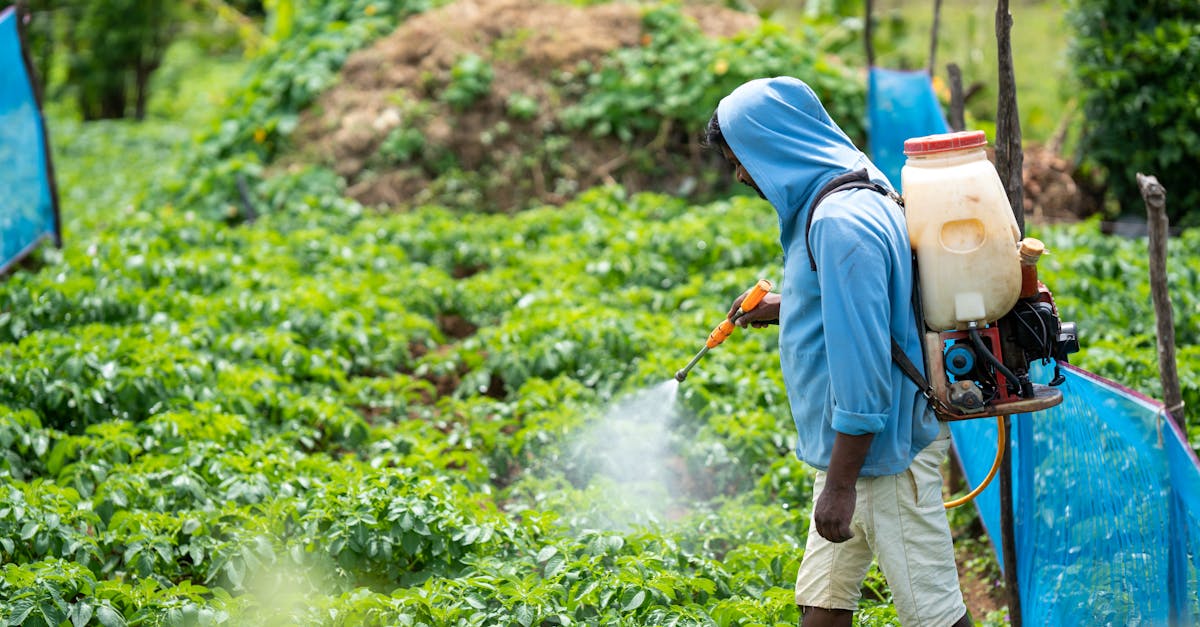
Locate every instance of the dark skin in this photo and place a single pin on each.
(835, 507)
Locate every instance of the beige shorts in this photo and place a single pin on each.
(900, 520)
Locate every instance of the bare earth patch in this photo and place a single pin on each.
(532, 48)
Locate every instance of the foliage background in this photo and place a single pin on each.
(1135, 63)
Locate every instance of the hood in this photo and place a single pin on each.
(788, 144)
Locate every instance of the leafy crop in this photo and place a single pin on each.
(679, 75)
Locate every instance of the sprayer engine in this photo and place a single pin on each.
(986, 371)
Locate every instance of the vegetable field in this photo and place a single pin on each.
(344, 415)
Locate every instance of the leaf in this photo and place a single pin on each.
(555, 565)
(21, 610)
(29, 530)
(635, 602)
(615, 543)
(547, 553)
(54, 611)
(108, 617)
(81, 613)
(525, 615)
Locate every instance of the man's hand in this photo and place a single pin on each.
(833, 512)
(766, 313)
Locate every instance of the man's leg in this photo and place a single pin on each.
(913, 542)
(820, 617)
(829, 583)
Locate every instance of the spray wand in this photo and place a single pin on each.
(726, 327)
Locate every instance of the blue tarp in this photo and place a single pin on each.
(1106, 496)
(900, 105)
(28, 211)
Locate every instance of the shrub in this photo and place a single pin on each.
(1136, 63)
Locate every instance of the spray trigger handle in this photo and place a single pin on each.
(756, 295)
(721, 333)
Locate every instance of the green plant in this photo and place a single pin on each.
(402, 144)
(470, 80)
(679, 75)
(1134, 62)
(521, 106)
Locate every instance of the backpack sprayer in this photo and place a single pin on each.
(985, 316)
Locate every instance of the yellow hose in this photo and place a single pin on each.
(1000, 442)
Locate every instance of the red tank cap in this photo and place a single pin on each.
(944, 142)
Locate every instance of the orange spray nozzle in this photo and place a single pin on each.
(720, 333)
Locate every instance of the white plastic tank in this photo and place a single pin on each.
(962, 229)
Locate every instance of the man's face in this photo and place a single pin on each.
(740, 171)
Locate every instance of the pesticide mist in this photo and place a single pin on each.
(625, 461)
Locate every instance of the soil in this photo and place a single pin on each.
(981, 596)
(502, 161)
(1054, 190)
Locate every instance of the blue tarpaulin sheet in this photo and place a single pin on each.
(1106, 495)
(900, 105)
(27, 205)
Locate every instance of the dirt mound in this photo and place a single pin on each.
(403, 125)
(1052, 191)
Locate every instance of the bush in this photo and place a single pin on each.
(1137, 62)
(679, 75)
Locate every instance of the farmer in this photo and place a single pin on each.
(861, 423)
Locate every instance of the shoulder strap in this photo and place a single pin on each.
(860, 180)
(857, 179)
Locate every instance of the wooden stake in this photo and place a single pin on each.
(1009, 163)
(1155, 198)
(1008, 540)
(958, 103)
(1009, 158)
(933, 37)
(870, 45)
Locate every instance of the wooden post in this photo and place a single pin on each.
(958, 103)
(1009, 158)
(1009, 164)
(1156, 209)
(1008, 540)
(868, 44)
(933, 37)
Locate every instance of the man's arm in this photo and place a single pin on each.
(853, 264)
(835, 506)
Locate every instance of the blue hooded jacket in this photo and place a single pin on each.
(835, 323)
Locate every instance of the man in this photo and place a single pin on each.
(861, 422)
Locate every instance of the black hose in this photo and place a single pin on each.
(1008, 374)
